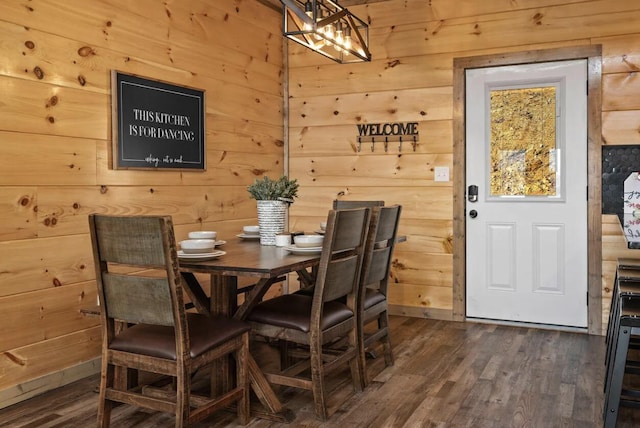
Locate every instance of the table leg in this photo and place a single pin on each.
(265, 394)
(253, 297)
(224, 301)
(196, 293)
(307, 279)
(225, 294)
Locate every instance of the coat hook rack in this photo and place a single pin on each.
(386, 141)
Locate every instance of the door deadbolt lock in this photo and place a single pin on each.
(473, 213)
(472, 193)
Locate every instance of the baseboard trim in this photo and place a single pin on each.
(33, 387)
(419, 312)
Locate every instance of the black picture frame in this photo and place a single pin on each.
(156, 124)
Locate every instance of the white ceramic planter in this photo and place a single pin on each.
(271, 219)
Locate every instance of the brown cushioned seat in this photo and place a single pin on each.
(372, 297)
(292, 311)
(205, 333)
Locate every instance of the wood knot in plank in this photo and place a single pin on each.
(397, 264)
(82, 80)
(447, 244)
(630, 64)
(29, 44)
(15, 359)
(438, 27)
(38, 72)
(537, 18)
(86, 51)
(50, 221)
(393, 63)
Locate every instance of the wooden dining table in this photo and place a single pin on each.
(267, 265)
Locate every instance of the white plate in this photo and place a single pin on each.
(218, 243)
(200, 256)
(319, 232)
(303, 250)
(245, 236)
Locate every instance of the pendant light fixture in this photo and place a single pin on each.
(327, 28)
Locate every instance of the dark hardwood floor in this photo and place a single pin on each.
(446, 374)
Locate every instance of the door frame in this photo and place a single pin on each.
(593, 55)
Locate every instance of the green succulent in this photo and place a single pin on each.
(267, 189)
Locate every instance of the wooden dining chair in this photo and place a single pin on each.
(145, 326)
(344, 205)
(318, 319)
(374, 279)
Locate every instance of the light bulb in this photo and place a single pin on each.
(308, 10)
(319, 30)
(347, 38)
(339, 37)
(329, 31)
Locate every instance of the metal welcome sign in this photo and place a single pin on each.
(388, 132)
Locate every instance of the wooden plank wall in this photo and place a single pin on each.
(413, 44)
(55, 144)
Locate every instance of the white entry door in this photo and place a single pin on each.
(526, 230)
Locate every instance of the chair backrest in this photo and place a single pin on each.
(342, 254)
(137, 271)
(345, 205)
(381, 240)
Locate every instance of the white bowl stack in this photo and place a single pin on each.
(200, 242)
(308, 241)
(198, 246)
(251, 230)
(203, 234)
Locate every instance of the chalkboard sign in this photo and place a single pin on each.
(156, 125)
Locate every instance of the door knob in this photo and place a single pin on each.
(473, 213)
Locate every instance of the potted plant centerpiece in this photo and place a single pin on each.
(273, 198)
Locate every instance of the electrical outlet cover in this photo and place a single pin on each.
(441, 173)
